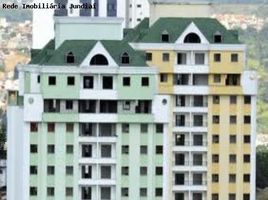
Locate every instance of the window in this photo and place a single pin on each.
(51, 127)
(107, 82)
(144, 128)
(216, 119)
(159, 128)
(217, 78)
(52, 80)
(163, 78)
(246, 178)
(125, 149)
(232, 178)
(125, 128)
(145, 81)
(106, 151)
(247, 119)
(69, 104)
(143, 192)
(50, 191)
(234, 57)
(124, 192)
(215, 139)
(232, 158)
(165, 57)
(246, 139)
(199, 58)
(38, 79)
(69, 170)
(233, 119)
(158, 192)
(88, 82)
(159, 149)
(232, 196)
(181, 58)
(233, 99)
(159, 171)
(99, 59)
(69, 191)
(33, 170)
(247, 100)
(246, 158)
(217, 37)
(192, 38)
(215, 158)
(33, 191)
(33, 148)
(106, 172)
(232, 139)
(125, 58)
(70, 57)
(215, 178)
(246, 196)
(216, 99)
(50, 170)
(139, 5)
(215, 196)
(33, 127)
(143, 171)
(217, 57)
(70, 80)
(143, 149)
(126, 81)
(69, 127)
(126, 105)
(149, 56)
(50, 149)
(165, 36)
(124, 171)
(69, 149)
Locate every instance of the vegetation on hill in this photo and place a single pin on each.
(257, 45)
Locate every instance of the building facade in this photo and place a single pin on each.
(43, 34)
(164, 111)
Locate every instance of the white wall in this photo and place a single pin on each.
(18, 155)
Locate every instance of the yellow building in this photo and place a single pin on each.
(210, 149)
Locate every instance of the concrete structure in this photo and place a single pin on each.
(136, 11)
(104, 8)
(165, 111)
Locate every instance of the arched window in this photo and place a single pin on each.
(192, 38)
(217, 37)
(70, 57)
(125, 58)
(99, 59)
(165, 36)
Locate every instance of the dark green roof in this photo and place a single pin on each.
(176, 26)
(138, 32)
(81, 48)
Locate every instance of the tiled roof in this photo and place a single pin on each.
(176, 26)
(81, 48)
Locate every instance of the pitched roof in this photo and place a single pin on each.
(81, 48)
(176, 26)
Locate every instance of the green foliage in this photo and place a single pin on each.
(257, 47)
(261, 167)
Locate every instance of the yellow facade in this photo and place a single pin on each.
(224, 129)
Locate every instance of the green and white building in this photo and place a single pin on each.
(86, 121)
(164, 111)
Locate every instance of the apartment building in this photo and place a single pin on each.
(104, 8)
(162, 111)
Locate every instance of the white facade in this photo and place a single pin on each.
(43, 22)
(136, 11)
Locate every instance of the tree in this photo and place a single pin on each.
(261, 167)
